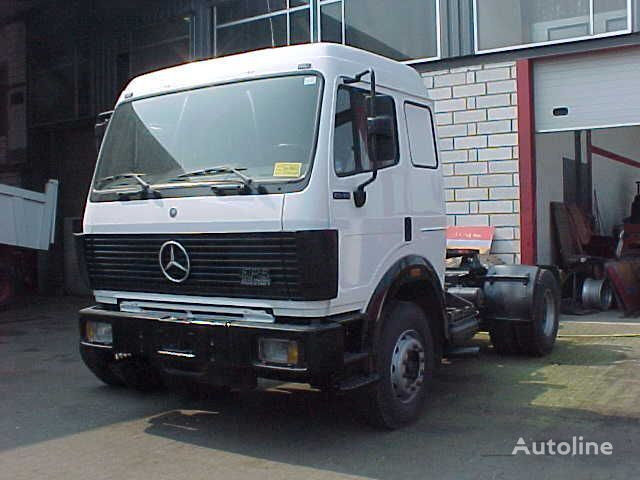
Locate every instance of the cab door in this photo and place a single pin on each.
(425, 185)
(370, 235)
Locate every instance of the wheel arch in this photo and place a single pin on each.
(411, 278)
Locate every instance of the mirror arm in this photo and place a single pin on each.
(356, 78)
(360, 195)
(372, 100)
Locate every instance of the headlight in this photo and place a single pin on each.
(99, 332)
(275, 350)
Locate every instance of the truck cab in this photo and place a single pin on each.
(276, 214)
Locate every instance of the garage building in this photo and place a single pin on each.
(536, 100)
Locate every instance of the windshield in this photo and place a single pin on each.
(264, 128)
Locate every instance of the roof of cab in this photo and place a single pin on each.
(271, 61)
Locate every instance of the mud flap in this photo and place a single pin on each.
(509, 292)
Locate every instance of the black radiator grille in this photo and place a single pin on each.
(293, 264)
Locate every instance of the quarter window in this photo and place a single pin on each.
(350, 142)
(422, 143)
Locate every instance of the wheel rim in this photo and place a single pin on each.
(549, 313)
(607, 296)
(407, 366)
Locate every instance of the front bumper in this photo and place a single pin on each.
(214, 351)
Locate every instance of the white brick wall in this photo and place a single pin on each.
(476, 115)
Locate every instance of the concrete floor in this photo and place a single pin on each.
(58, 422)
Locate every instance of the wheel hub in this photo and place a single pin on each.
(407, 366)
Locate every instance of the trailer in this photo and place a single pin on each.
(27, 226)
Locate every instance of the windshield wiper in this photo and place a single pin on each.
(145, 187)
(121, 176)
(246, 180)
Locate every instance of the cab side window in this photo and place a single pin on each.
(422, 138)
(350, 147)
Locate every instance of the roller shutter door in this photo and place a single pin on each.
(594, 90)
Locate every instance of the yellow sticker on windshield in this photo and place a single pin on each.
(284, 169)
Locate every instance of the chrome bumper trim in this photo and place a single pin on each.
(176, 354)
(96, 345)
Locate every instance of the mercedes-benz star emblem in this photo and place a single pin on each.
(174, 261)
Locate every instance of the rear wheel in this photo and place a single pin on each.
(537, 337)
(405, 363)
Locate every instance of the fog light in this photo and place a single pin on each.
(99, 332)
(275, 350)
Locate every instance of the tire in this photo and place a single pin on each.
(405, 344)
(100, 366)
(538, 337)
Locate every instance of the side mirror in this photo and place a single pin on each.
(379, 127)
(102, 122)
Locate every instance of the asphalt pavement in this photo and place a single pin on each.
(58, 422)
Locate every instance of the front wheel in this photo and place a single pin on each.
(405, 362)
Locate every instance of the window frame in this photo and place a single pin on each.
(396, 160)
(285, 12)
(433, 134)
(320, 3)
(285, 186)
(480, 51)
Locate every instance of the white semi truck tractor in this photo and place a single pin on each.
(280, 214)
